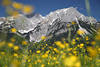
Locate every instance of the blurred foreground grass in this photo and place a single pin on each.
(78, 52)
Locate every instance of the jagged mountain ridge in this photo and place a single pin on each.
(54, 24)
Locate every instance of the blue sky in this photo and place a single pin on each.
(44, 7)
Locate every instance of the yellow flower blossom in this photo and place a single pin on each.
(73, 22)
(15, 13)
(10, 11)
(87, 38)
(12, 39)
(69, 49)
(54, 58)
(93, 42)
(42, 65)
(75, 52)
(99, 49)
(10, 45)
(17, 5)
(38, 51)
(2, 53)
(45, 55)
(27, 9)
(72, 61)
(15, 54)
(58, 43)
(16, 48)
(29, 60)
(77, 38)
(92, 51)
(43, 37)
(81, 45)
(56, 50)
(13, 30)
(80, 32)
(73, 42)
(66, 44)
(24, 43)
(6, 2)
(39, 61)
(57, 62)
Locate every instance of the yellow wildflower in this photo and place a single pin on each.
(29, 60)
(93, 42)
(87, 38)
(45, 55)
(24, 43)
(35, 62)
(15, 13)
(48, 62)
(56, 50)
(2, 53)
(77, 38)
(73, 42)
(68, 25)
(47, 51)
(98, 49)
(43, 37)
(42, 65)
(27, 9)
(58, 43)
(70, 54)
(80, 32)
(69, 49)
(75, 52)
(17, 5)
(73, 22)
(57, 62)
(6, 2)
(13, 39)
(72, 61)
(16, 48)
(15, 54)
(54, 58)
(81, 45)
(10, 45)
(38, 51)
(30, 51)
(92, 51)
(10, 11)
(66, 44)
(39, 61)
(13, 30)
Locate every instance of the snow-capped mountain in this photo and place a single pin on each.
(54, 24)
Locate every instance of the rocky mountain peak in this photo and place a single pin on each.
(55, 24)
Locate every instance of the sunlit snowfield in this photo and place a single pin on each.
(16, 51)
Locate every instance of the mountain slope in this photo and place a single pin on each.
(54, 24)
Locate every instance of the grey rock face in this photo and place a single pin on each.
(56, 23)
(24, 24)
